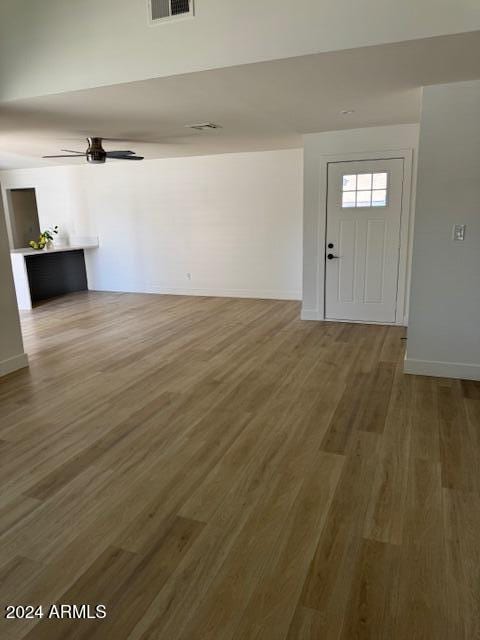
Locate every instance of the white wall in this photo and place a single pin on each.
(319, 149)
(52, 46)
(234, 222)
(12, 356)
(444, 328)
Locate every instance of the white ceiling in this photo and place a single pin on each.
(267, 105)
(54, 46)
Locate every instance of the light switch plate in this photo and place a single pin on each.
(459, 232)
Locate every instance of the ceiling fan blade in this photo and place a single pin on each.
(147, 139)
(124, 140)
(82, 155)
(111, 154)
(126, 157)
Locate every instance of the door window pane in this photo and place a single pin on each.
(380, 180)
(349, 183)
(364, 198)
(379, 198)
(348, 199)
(364, 181)
(364, 190)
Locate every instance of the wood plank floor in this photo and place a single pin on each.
(218, 469)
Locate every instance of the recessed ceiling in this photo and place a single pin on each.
(267, 105)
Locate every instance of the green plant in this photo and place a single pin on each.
(44, 238)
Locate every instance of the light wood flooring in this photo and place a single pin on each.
(214, 469)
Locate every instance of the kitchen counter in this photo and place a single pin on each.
(28, 251)
(47, 273)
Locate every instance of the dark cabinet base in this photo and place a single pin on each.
(53, 274)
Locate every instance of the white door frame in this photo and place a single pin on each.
(406, 228)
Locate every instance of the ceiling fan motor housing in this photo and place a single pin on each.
(96, 154)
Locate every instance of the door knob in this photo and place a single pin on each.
(330, 256)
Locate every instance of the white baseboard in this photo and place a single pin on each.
(310, 314)
(12, 364)
(210, 293)
(461, 370)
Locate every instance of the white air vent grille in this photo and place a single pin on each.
(203, 126)
(161, 10)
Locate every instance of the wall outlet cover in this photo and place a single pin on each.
(459, 232)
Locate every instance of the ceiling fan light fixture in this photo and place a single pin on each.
(96, 154)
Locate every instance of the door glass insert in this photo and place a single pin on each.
(364, 190)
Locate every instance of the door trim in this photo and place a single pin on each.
(406, 229)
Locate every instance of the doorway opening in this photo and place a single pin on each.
(23, 217)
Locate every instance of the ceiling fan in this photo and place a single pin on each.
(96, 154)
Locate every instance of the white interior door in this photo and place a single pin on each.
(364, 208)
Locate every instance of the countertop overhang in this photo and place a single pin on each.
(56, 249)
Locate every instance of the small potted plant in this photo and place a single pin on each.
(45, 239)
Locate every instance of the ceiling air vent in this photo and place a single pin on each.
(163, 10)
(203, 126)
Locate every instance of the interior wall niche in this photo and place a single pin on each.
(23, 214)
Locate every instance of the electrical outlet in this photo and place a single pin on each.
(189, 276)
(459, 232)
